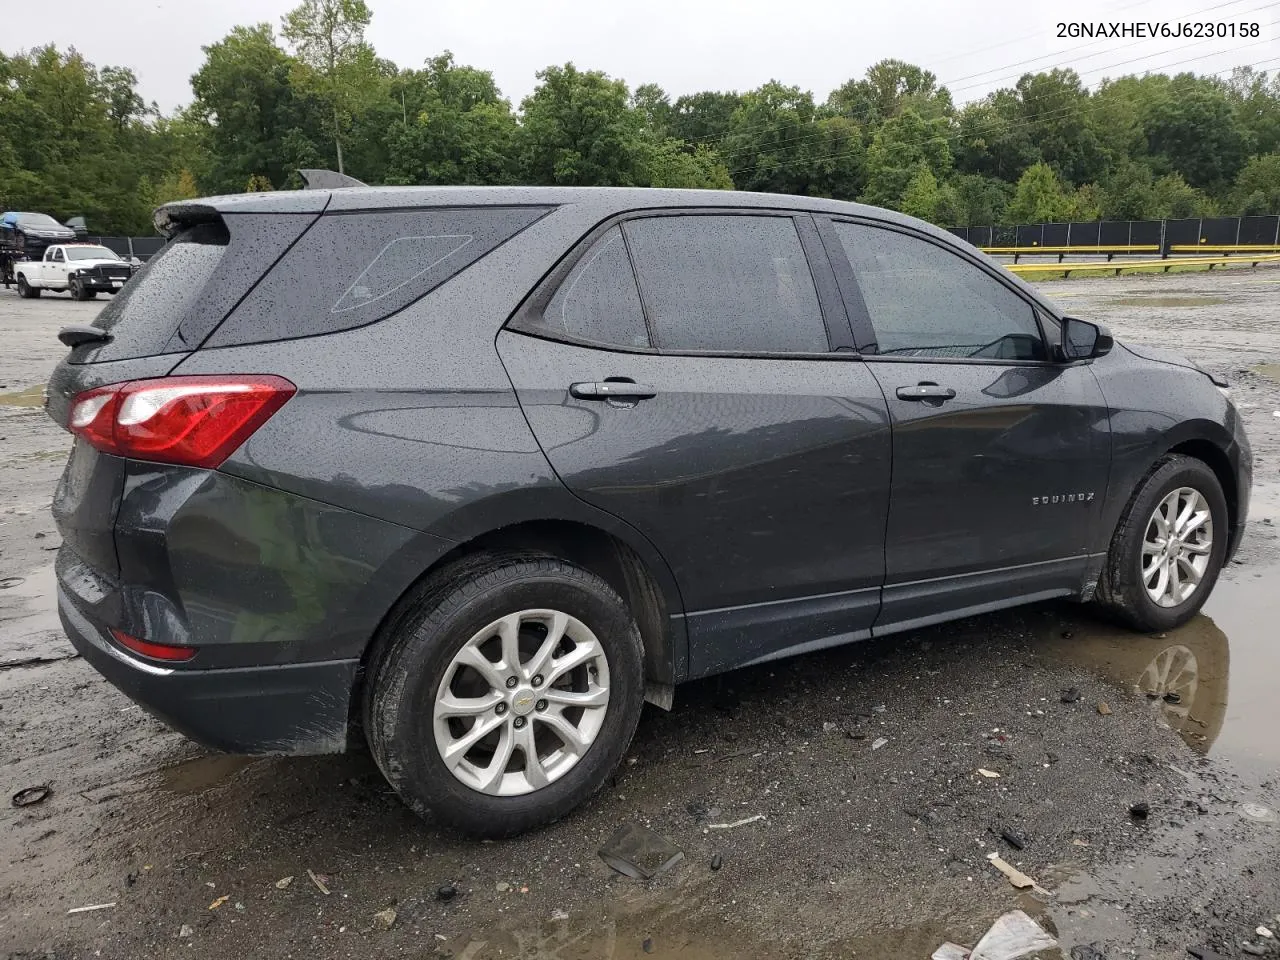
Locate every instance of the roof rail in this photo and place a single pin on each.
(327, 180)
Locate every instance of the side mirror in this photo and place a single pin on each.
(1082, 340)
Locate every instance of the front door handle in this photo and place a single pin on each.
(612, 390)
(926, 391)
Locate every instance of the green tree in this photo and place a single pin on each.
(1039, 197)
(255, 121)
(1056, 114)
(579, 129)
(993, 139)
(705, 116)
(898, 149)
(1192, 130)
(460, 130)
(980, 200)
(1257, 189)
(889, 87)
(671, 164)
(333, 60)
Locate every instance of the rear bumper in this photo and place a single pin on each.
(294, 709)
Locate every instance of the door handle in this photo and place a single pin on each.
(926, 391)
(612, 390)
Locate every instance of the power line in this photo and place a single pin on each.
(814, 135)
(720, 138)
(1094, 105)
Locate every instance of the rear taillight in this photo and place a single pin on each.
(189, 421)
(155, 651)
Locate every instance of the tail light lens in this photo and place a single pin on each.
(154, 651)
(189, 421)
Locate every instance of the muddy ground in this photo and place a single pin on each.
(862, 851)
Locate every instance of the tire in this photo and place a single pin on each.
(413, 670)
(26, 291)
(1122, 591)
(77, 290)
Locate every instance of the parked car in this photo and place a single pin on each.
(478, 470)
(25, 236)
(81, 269)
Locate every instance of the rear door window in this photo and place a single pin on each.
(352, 269)
(727, 283)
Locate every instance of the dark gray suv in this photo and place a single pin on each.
(478, 471)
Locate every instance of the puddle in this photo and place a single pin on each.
(201, 773)
(1269, 370)
(1165, 302)
(661, 932)
(28, 397)
(29, 625)
(1213, 680)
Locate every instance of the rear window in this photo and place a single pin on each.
(353, 269)
(177, 299)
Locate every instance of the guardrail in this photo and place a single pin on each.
(1066, 269)
(1035, 250)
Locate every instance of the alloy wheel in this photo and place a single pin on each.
(1176, 547)
(521, 702)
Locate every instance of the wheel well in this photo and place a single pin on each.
(1216, 460)
(577, 543)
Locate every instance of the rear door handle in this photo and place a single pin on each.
(612, 390)
(926, 391)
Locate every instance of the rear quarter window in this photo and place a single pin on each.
(353, 269)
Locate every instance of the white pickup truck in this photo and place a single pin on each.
(80, 269)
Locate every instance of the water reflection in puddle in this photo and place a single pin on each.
(1213, 680)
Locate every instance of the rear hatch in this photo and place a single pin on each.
(217, 252)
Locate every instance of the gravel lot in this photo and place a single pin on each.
(862, 852)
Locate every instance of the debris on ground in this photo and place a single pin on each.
(1104, 709)
(879, 742)
(1256, 811)
(1087, 952)
(1013, 838)
(736, 823)
(1070, 695)
(30, 796)
(559, 914)
(186, 931)
(1253, 949)
(717, 862)
(283, 882)
(1204, 953)
(384, 919)
(446, 892)
(1140, 810)
(1014, 935)
(320, 884)
(990, 774)
(830, 727)
(501, 887)
(1016, 876)
(219, 902)
(1172, 697)
(91, 908)
(1264, 932)
(636, 851)
(647, 946)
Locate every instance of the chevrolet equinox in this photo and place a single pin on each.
(474, 472)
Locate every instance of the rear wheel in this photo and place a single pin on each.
(509, 694)
(25, 290)
(1168, 548)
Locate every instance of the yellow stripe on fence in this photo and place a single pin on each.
(1120, 248)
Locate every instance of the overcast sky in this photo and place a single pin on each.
(684, 45)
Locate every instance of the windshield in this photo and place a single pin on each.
(90, 253)
(41, 221)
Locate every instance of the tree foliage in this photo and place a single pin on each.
(78, 140)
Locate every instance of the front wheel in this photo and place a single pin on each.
(78, 290)
(508, 696)
(1168, 548)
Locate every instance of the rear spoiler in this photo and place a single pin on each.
(328, 180)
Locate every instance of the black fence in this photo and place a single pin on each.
(1165, 235)
(144, 248)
